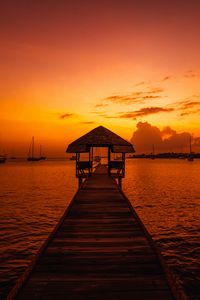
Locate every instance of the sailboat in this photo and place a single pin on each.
(31, 156)
(42, 157)
(190, 155)
(2, 159)
(153, 152)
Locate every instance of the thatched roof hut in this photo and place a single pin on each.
(100, 137)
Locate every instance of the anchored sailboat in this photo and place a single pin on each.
(31, 156)
(2, 159)
(153, 152)
(42, 157)
(190, 155)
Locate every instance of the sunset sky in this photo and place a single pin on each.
(69, 66)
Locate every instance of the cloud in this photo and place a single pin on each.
(101, 105)
(189, 104)
(67, 116)
(87, 122)
(167, 78)
(126, 99)
(145, 112)
(167, 132)
(189, 107)
(191, 74)
(141, 83)
(187, 113)
(166, 140)
(136, 97)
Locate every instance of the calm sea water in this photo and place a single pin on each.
(165, 193)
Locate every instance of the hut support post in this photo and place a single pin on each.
(109, 161)
(92, 153)
(123, 159)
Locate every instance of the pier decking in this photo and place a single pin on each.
(98, 251)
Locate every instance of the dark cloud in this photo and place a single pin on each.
(167, 78)
(67, 116)
(191, 74)
(166, 140)
(137, 97)
(145, 112)
(141, 83)
(191, 112)
(87, 122)
(126, 99)
(189, 104)
(189, 107)
(155, 90)
(101, 105)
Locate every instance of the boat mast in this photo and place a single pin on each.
(32, 146)
(190, 144)
(153, 150)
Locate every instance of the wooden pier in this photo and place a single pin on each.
(99, 250)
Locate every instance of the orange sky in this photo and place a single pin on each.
(69, 66)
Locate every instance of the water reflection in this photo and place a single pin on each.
(165, 194)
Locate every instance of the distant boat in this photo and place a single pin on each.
(190, 155)
(73, 157)
(42, 157)
(153, 152)
(2, 159)
(31, 156)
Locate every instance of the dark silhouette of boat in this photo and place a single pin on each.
(190, 155)
(42, 157)
(31, 156)
(153, 152)
(2, 159)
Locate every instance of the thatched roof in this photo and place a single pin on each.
(100, 137)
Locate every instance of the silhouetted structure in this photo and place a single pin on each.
(100, 137)
(2, 159)
(31, 153)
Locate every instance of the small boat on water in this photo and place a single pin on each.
(190, 155)
(42, 157)
(2, 159)
(152, 156)
(31, 156)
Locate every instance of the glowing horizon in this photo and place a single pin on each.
(67, 68)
